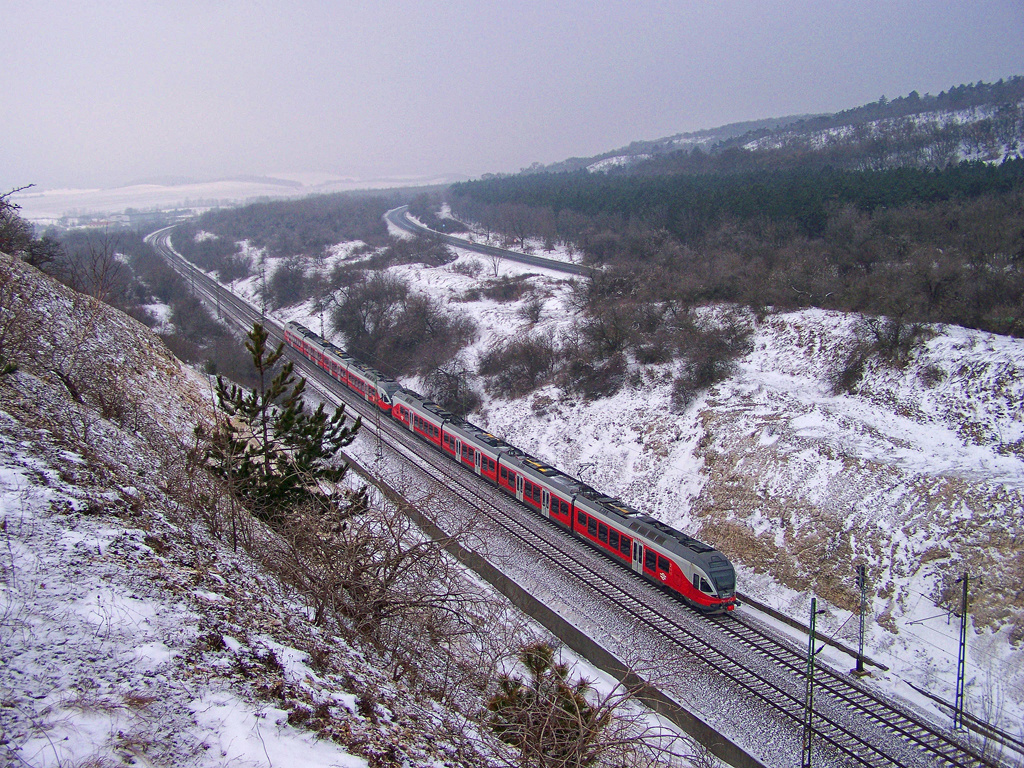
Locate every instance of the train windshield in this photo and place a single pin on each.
(724, 577)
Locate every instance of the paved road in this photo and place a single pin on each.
(400, 218)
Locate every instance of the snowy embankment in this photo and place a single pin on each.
(132, 631)
(918, 474)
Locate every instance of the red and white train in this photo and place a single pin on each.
(690, 569)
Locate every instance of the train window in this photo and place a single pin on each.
(624, 545)
(602, 532)
(592, 526)
(564, 508)
(662, 563)
(613, 539)
(650, 560)
(504, 473)
(701, 584)
(527, 489)
(536, 493)
(581, 518)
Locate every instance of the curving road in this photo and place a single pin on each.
(400, 218)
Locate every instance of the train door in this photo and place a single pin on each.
(638, 557)
(519, 487)
(458, 450)
(478, 460)
(545, 503)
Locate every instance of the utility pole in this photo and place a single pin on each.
(958, 708)
(378, 448)
(805, 759)
(862, 583)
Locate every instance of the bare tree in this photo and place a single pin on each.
(449, 386)
(365, 566)
(97, 268)
(495, 260)
(15, 232)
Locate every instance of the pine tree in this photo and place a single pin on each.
(547, 717)
(269, 447)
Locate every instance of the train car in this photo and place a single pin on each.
(369, 383)
(669, 558)
(420, 416)
(661, 554)
(687, 568)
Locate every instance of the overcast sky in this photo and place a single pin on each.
(104, 92)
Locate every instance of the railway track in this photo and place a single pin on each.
(852, 724)
(921, 744)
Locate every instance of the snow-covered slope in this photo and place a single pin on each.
(937, 138)
(132, 631)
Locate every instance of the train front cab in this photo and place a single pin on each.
(702, 591)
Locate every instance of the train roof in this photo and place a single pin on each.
(415, 398)
(352, 362)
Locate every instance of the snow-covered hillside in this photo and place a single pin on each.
(919, 475)
(132, 631)
(989, 133)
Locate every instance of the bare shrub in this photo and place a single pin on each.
(289, 284)
(423, 249)
(532, 309)
(893, 338)
(708, 357)
(449, 386)
(401, 332)
(932, 375)
(97, 266)
(594, 379)
(518, 366)
(468, 268)
(367, 568)
(15, 233)
(847, 374)
(507, 288)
